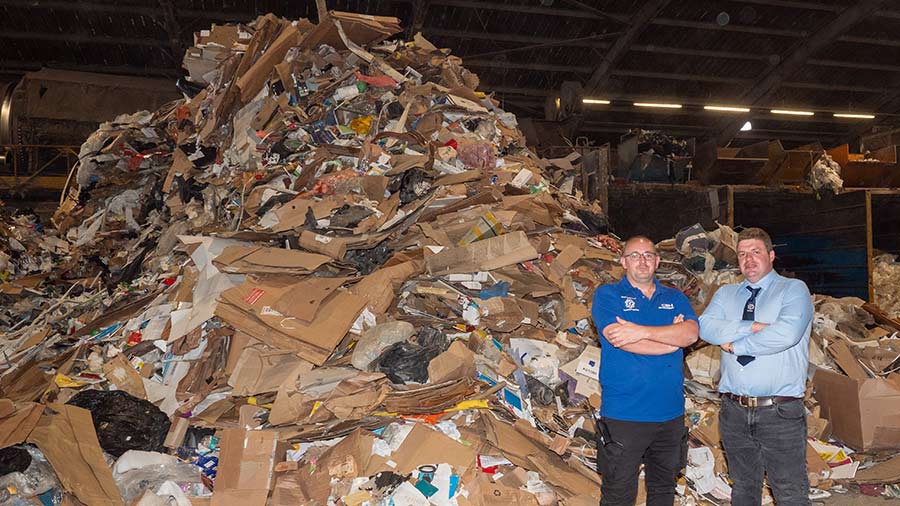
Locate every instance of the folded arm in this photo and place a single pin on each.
(679, 334)
(795, 315)
(641, 347)
(716, 329)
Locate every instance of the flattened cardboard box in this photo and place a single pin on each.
(864, 414)
(484, 255)
(246, 462)
(249, 307)
(246, 259)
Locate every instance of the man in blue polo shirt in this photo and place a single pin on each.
(643, 326)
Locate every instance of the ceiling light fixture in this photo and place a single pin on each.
(792, 112)
(594, 101)
(725, 108)
(658, 105)
(747, 127)
(854, 116)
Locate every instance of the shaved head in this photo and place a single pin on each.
(638, 239)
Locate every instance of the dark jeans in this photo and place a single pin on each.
(770, 440)
(659, 445)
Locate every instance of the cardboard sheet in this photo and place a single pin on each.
(262, 260)
(485, 255)
(246, 462)
(427, 446)
(302, 300)
(17, 421)
(261, 369)
(883, 472)
(66, 436)
(249, 308)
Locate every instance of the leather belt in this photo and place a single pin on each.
(758, 402)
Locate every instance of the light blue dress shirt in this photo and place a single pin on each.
(781, 349)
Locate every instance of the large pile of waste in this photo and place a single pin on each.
(332, 274)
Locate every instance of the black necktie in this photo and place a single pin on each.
(749, 315)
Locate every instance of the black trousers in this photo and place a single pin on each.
(660, 446)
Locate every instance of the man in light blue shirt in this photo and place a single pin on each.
(763, 325)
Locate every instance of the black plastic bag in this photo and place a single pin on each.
(403, 362)
(124, 422)
(14, 459)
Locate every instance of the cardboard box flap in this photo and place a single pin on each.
(302, 300)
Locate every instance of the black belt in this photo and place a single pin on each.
(759, 402)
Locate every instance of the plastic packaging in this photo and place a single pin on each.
(37, 479)
(136, 472)
(124, 422)
(476, 155)
(374, 340)
(404, 362)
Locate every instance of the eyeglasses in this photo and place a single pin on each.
(648, 256)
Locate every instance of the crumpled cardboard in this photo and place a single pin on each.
(124, 376)
(525, 452)
(456, 363)
(260, 370)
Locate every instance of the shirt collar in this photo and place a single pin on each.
(628, 286)
(763, 283)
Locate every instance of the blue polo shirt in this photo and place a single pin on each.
(640, 388)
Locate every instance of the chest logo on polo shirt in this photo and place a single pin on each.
(666, 306)
(630, 304)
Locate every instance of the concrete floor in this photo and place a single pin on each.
(856, 499)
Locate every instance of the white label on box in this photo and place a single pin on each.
(589, 367)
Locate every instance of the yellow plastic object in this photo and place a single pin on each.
(63, 381)
(361, 125)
